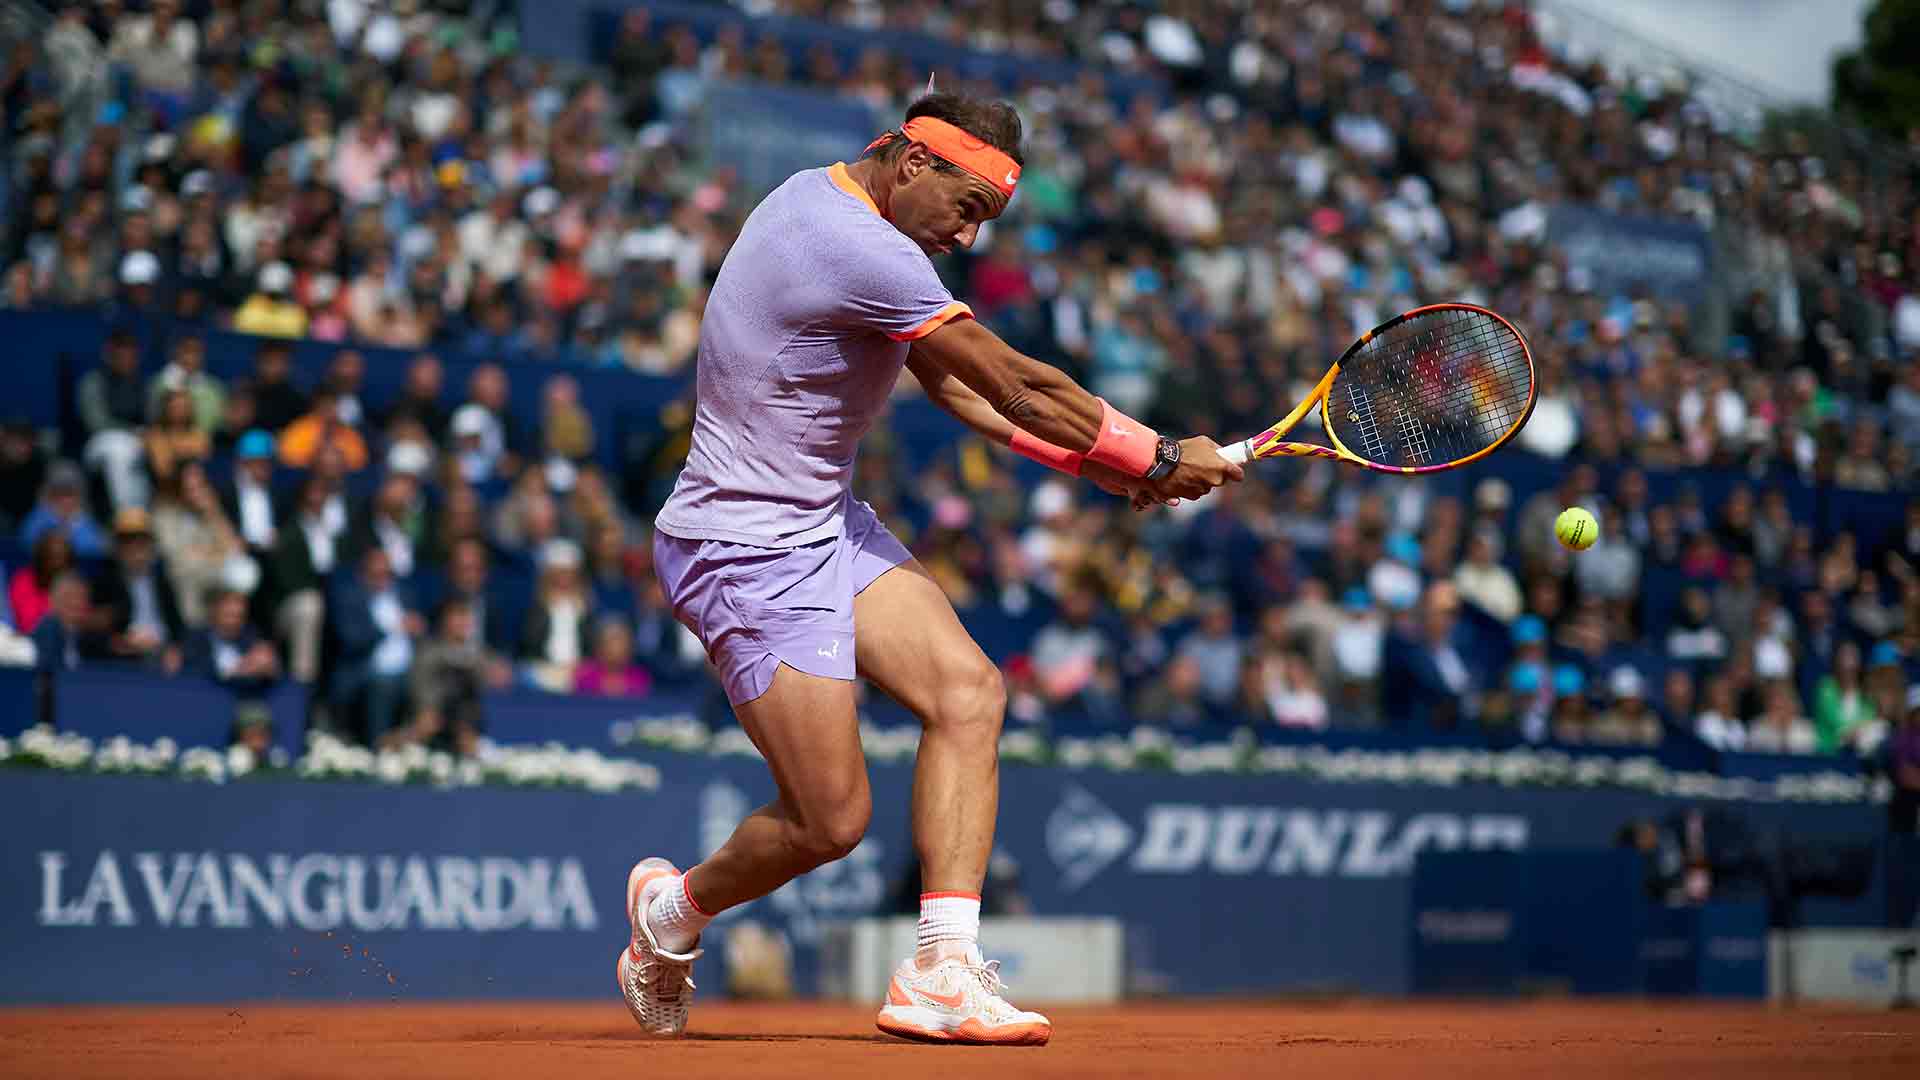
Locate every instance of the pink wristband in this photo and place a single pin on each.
(1124, 443)
(1034, 448)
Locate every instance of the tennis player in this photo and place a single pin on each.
(795, 587)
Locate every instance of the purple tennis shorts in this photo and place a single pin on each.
(755, 608)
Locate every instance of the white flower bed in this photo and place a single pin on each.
(554, 765)
(328, 758)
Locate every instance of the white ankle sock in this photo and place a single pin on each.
(948, 916)
(676, 920)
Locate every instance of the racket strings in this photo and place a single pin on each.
(1436, 388)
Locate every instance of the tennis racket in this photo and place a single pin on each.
(1436, 388)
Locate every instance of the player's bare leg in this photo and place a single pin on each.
(911, 644)
(806, 728)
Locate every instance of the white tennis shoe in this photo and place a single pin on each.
(958, 1000)
(656, 984)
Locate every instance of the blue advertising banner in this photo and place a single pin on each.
(1628, 254)
(132, 888)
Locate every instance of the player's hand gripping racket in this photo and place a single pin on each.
(1433, 389)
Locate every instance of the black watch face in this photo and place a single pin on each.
(1169, 451)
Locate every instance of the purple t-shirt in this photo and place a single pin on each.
(805, 334)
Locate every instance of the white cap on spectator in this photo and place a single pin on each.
(409, 458)
(139, 268)
(560, 554)
(471, 420)
(322, 288)
(276, 278)
(197, 182)
(1050, 499)
(541, 201)
(241, 574)
(1492, 493)
(1627, 683)
(561, 475)
(137, 200)
(159, 147)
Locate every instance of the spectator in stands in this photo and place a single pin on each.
(113, 408)
(1842, 709)
(1484, 582)
(134, 599)
(230, 652)
(1358, 645)
(62, 640)
(1218, 652)
(501, 440)
(248, 497)
(269, 311)
(611, 671)
(63, 506)
(487, 621)
(277, 401)
(1628, 720)
(420, 398)
(174, 439)
(23, 469)
(1286, 691)
(1694, 640)
(303, 560)
(449, 676)
(565, 425)
(198, 545)
(1066, 654)
(373, 624)
(555, 638)
(395, 519)
(1677, 700)
(1782, 728)
(1426, 683)
(1177, 698)
(321, 430)
(607, 569)
(159, 48)
(30, 592)
(187, 370)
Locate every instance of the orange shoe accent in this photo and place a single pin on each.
(895, 995)
(970, 1031)
(951, 1001)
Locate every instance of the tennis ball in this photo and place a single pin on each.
(1576, 529)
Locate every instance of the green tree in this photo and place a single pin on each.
(1879, 84)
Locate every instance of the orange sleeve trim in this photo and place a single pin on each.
(845, 182)
(947, 314)
(949, 896)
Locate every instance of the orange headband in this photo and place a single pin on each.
(950, 143)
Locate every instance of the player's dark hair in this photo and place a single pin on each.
(995, 122)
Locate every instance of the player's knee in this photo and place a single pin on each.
(834, 834)
(974, 702)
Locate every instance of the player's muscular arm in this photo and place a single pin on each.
(1038, 398)
(971, 409)
(956, 399)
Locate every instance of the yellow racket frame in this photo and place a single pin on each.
(1272, 442)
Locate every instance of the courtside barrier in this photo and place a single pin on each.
(136, 888)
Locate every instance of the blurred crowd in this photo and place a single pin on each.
(398, 175)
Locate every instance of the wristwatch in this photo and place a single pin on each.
(1165, 457)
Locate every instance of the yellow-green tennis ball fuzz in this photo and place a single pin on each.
(1576, 529)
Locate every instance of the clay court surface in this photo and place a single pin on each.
(1300, 1041)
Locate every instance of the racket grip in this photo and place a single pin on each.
(1239, 453)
